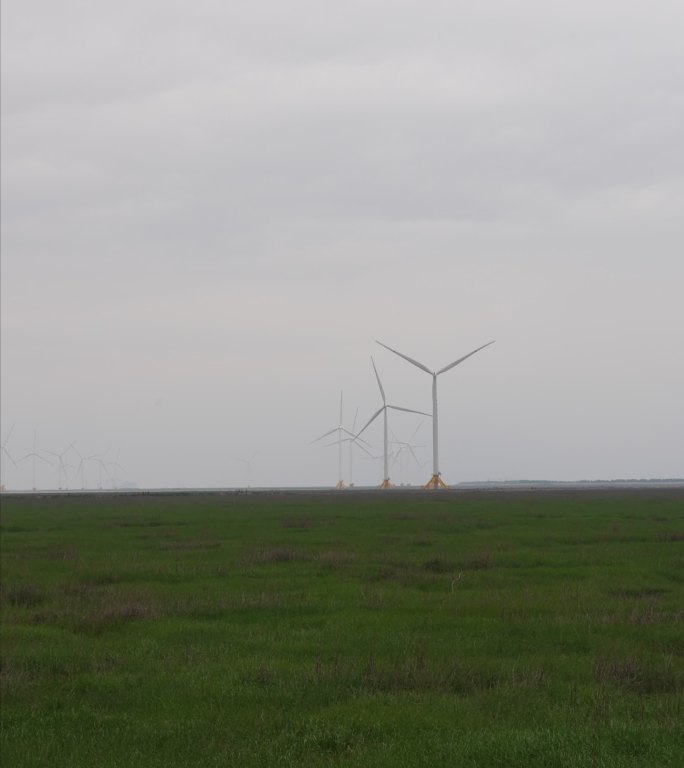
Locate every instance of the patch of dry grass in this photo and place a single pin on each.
(190, 544)
(274, 555)
(637, 675)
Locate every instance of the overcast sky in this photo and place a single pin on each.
(212, 209)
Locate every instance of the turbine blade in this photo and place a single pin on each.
(408, 410)
(9, 434)
(370, 421)
(382, 391)
(465, 357)
(337, 442)
(322, 436)
(364, 449)
(415, 458)
(341, 393)
(354, 437)
(406, 357)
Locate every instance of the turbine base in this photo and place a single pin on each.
(386, 484)
(340, 486)
(435, 483)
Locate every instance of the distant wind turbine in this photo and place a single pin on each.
(339, 429)
(114, 477)
(353, 443)
(435, 481)
(98, 458)
(386, 482)
(405, 450)
(61, 466)
(80, 469)
(34, 455)
(248, 462)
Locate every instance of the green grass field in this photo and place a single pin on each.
(534, 629)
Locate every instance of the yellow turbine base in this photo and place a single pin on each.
(435, 483)
(340, 486)
(386, 484)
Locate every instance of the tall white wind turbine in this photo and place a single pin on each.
(436, 480)
(339, 429)
(386, 482)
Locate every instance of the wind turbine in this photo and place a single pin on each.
(115, 476)
(339, 429)
(61, 466)
(248, 462)
(81, 466)
(354, 442)
(98, 458)
(405, 449)
(34, 453)
(386, 482)
(4, 452)
(435, 481)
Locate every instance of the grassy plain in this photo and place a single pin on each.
(534, 629)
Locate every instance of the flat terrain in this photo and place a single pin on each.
(534, 629)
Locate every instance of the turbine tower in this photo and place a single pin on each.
(80, 469)
(386, 482)
(435, 481)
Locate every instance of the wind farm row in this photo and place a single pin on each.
(70, 468)
(65, 469)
